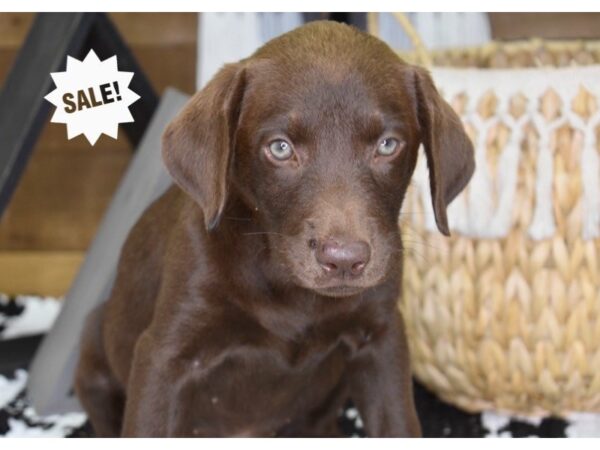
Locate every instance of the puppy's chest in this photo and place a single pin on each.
(263, 358)
(270, 383)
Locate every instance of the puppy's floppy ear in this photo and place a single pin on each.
(449, 150)
(197, 146)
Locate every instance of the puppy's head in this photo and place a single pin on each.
(317, 134)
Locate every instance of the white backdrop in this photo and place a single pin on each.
(228, 37)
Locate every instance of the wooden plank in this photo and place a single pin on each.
(157, 29)
(13, 28)
(40, 273)
(7, 58)
(173, 66)
(61, 199)
(545, 25)
(145, 28)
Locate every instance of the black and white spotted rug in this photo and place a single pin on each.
(25, 319)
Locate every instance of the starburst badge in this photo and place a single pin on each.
(92, 97)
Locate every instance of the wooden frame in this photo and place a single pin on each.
(23, 109)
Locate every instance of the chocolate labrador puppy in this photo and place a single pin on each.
(260, 292)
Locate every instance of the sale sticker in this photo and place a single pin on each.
(92, 97)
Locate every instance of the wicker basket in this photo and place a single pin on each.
(505, 314)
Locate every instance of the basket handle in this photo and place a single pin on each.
(422, 54)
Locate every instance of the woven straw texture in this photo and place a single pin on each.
(505, 314)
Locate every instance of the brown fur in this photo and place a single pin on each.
(222, 322)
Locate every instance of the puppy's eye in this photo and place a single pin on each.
(281, 150)
(388, 146)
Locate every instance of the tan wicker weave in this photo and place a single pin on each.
(511, 323)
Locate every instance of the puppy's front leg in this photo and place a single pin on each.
(151, 391)
(381, 385)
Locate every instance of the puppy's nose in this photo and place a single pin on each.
(340, 258)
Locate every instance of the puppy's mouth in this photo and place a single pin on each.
(343, 290)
